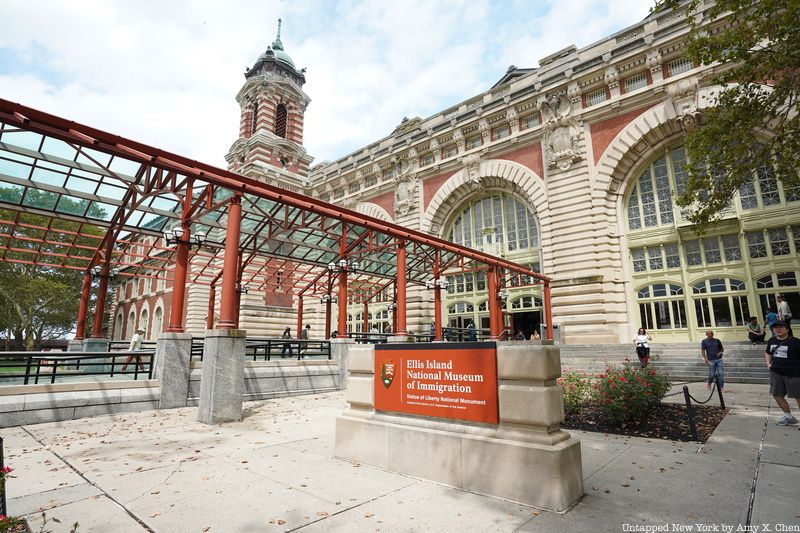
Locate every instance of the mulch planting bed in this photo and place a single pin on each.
(667, 421)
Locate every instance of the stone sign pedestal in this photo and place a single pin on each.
(340, 348)
(525, 458)
(172, 369)
(222, 382)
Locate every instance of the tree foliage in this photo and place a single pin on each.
(754, 125)
(39, 301)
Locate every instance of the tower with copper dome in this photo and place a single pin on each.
(273, 104)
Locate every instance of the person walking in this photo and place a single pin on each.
(784, 313)
(374, 335)
(711, 349)
(642, 343)
(287, 346)
(472, 334)
(304, 338)
(755, 332)
(783, 360)
(770, 320)
(135, 346)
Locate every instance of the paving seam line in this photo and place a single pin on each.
(755, 473)
(349, 508)
(80, 474)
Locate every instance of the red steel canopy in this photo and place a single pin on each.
(75, 197)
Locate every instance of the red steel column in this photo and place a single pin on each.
(328, 317)
(227, 312)
(86, 288)
(100, 304)
(365, 328)
(299, 315)
(179, 281)
(437, 311)
(401, 289)
(437, 302)
(548, 311)
(493, 304)
(212, 295)
(342, 325)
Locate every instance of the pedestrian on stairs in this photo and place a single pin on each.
(642, 343)
(711, 349)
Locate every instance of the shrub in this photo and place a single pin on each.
(576, 387)
(629, 392)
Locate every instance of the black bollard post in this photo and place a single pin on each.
(719, 393)
(690, 412)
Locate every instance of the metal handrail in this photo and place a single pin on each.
(50, 365)
(268, 348)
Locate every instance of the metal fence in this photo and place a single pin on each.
(267, 349)
(26, 368)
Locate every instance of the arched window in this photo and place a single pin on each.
(118, 325)
(254, 118)
(281, 118)
(144, 321)
(158, 322)
(131, 326)
(720, 302)
(661, 306)
(526, 302)
(771, 285)
(499, 219)
(650, 201)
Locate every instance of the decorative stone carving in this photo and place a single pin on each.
(405, 190)
(458, 137)
(472, 165)
(683, 94)
(483, 127)
(513, 118)
(349, 202)
(562, 134)
(611, 78)
(654, 61)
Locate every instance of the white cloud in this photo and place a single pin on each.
(166, 73)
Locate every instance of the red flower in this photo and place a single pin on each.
(6, 470)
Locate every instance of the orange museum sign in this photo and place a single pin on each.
(447, 380)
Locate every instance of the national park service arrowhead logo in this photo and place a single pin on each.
(387, 373)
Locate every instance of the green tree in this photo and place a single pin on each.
(40, 301)
(754, 124)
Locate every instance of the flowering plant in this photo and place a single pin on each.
(576, 387)
(629, 392)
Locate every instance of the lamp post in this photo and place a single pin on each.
(437, 285)
(341, 268)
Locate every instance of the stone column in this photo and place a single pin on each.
(222, 382)
(101, 345)
(172, 368)
(340, 348)
(75, 345)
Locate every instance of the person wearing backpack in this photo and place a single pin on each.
(711, 349)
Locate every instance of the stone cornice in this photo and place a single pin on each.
(647, 45)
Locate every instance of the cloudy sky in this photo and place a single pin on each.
(166, 73)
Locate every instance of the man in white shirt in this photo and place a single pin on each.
(136, 344)
(785, 313)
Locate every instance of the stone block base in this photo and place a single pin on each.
(222, 382)
(544, 476)
(173, 352)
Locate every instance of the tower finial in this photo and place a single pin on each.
(277, 44)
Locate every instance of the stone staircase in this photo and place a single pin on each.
(744, 362)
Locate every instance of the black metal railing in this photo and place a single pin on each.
(26, 368)
(267, 349)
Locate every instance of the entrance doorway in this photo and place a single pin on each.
(525, 322)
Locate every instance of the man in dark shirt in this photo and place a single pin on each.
(711, 349)
(783, 361)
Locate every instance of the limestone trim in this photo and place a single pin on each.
(497, 174)
(373, 210)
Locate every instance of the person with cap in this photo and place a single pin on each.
(304, 338)
(136, 345)
(783, 360)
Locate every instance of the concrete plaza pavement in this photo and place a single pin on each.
(162, 471)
